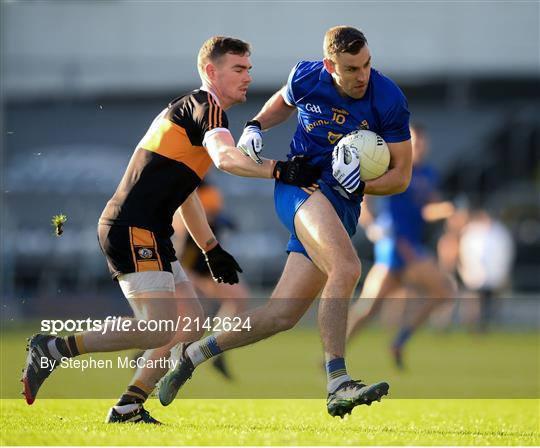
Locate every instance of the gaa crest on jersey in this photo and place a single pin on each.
(333, 138)
(145, 253)
(314, 108)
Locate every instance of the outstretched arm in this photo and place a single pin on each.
(229, 158)
(436, 209)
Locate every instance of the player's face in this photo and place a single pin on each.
(232, 78)
(351, 72)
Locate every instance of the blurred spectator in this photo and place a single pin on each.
(486, 257)
(401, 258)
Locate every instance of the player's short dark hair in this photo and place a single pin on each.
(218, 46)
(343, 39)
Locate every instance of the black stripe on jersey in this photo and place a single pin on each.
(162, 187)
(197, 113)
(215, 113)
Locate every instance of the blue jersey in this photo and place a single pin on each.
(402, 213)
(324, 116)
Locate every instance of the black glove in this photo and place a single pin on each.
(355, 195)
(359, 191)
(296, 171)
(222, 265)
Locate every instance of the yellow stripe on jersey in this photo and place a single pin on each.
(170, 140)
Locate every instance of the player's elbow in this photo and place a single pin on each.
(402, 184)
(220, 164)
(226, 165)
(224, 161)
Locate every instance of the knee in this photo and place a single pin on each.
(354, 270)
(283, 322)
(443, 290)
(160, 338)
(279, 317)
(348, 270)
(157, 331)
(192, 326)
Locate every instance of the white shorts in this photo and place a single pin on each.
(152, 281)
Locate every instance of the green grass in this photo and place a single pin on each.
(459, 389)
(455, 365)
(276, 422)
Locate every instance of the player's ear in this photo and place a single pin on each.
(210, 71)
(329, 65)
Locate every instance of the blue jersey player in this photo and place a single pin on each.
(332, 97)
(400, 255)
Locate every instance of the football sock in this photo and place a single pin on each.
(136, 394)
(202, 350)
(402, 337)
(336, 373)
(65, 347)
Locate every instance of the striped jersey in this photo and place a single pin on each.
(168, 164)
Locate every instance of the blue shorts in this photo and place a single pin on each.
(289, 198)
(396, 253)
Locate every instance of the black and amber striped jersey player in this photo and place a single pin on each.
(169, 163)
(167, 166)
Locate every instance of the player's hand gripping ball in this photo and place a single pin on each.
(360, 155)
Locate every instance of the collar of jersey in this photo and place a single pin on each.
(211, 92)
(325, 76)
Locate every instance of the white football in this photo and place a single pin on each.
(371, 150)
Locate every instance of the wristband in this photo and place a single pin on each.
(360, 190)
(255, 123)
(212, 243)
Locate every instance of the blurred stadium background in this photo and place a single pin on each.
(81, 81)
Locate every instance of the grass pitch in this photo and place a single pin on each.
(289, 365)
(459, 389)
(276, 422)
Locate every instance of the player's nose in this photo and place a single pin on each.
(363, 77)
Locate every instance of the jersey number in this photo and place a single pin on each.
(338, 118)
